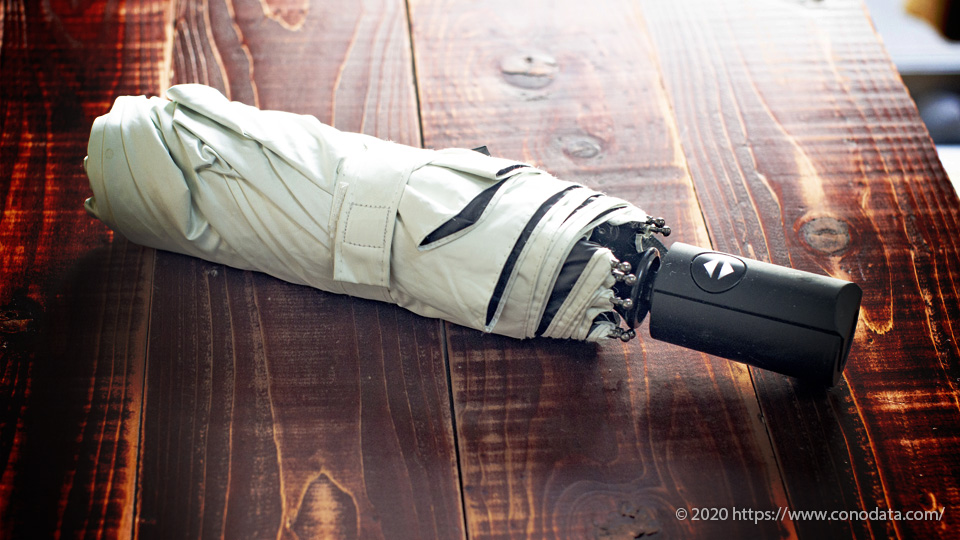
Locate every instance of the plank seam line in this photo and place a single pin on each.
(135, 518)
(445, 348)
(674, 123)
(416, 80)
(453, 426)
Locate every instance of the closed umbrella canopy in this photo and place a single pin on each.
(484, 242)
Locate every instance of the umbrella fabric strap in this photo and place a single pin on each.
(370, 183)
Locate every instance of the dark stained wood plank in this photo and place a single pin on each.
(274, 410)
(568, 440)
(75, 301)
(261, 422)
(806, 150)
(74, 470)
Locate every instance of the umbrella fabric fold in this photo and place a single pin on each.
(484, 242)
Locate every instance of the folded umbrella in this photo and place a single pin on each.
(453, 234)
(488, 243)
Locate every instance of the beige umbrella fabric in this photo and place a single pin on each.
(453, 234)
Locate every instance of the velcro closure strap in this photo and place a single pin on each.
(374, 178)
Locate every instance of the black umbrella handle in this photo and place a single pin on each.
(777, 318)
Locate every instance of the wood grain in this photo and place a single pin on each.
(259, 425)
(149, 394)
(831, 171)
(568, 440)
(74, 302)
(274, 410)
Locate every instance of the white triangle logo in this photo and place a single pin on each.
(711, 265)
(725, 269)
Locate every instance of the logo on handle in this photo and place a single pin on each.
(717, 272)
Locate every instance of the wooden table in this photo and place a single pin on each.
(155, 395)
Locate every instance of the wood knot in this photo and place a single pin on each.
(579, 145)
(290, 14)
(18, 323)
(325, 511)
(629, 521)
(826, 234)
(12, 322)
(529, 70)
(19, 315)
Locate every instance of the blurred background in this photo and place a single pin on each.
(923, 38)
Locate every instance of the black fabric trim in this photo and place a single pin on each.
(586, 202)
(572, 268)
(583, 205)
(505, 170)
(570, 272)
(604, 213)
(518, 248)
(482, 149)
(466, 217)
